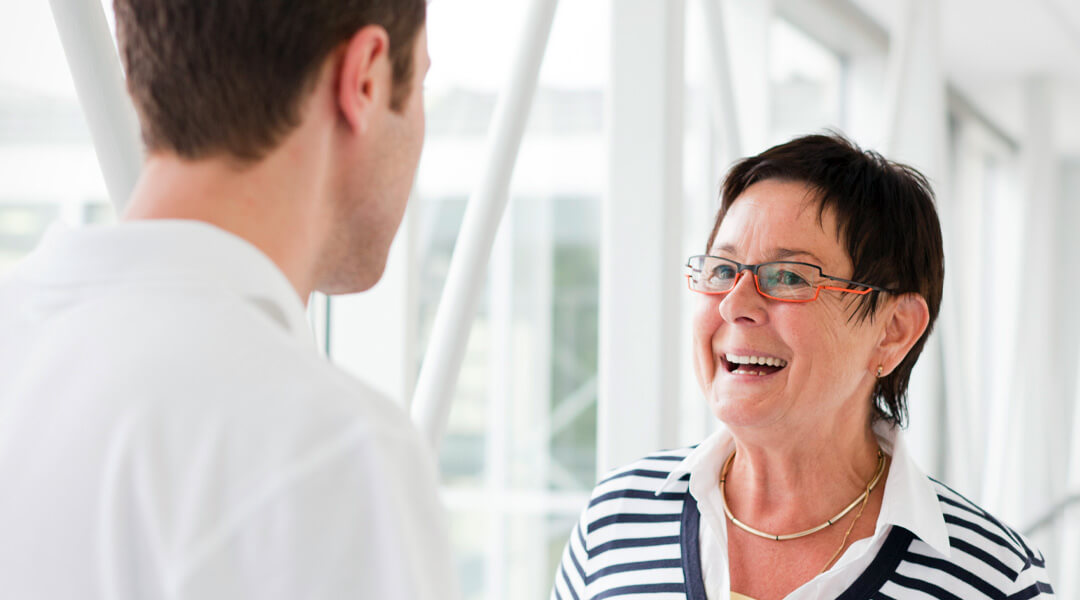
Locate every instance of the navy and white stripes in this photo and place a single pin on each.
(631, 541)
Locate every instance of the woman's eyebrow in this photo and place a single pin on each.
(778, 254)
(783, 253)
(725, 249)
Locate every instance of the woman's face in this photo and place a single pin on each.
(826, 358)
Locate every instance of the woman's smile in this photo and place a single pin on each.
(749, 364)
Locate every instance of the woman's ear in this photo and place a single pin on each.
(907, 320)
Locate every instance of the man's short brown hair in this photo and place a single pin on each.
(229, 76)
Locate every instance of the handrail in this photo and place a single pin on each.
(465, 280)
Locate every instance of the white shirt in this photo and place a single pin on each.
(168, 430)
(910, 501)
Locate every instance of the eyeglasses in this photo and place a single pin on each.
(782, 280)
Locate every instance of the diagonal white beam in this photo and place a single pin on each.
(99, 84)
(465, 281)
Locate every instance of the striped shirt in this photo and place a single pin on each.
(639, 538)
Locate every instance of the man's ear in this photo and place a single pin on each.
(907, 320)
(365, 76)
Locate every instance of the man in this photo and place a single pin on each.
(167, 427)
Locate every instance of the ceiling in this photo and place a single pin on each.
(993, 48)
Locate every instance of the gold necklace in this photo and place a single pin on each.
(846, 534)
(863, 497)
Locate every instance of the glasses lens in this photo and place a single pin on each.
(712, 274)
(790, 281)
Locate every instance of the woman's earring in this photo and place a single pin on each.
(880, 369)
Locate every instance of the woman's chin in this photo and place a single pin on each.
(743, 410)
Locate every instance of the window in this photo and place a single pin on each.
(47, 161)
(519, 454)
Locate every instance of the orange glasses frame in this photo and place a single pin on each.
(742, 268)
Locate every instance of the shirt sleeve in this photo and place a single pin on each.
(1033, 580)
(360, 521)
(571, 577)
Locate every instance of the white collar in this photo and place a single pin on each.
(172, 252)
(910, 500)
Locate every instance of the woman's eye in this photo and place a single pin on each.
(791, 279)
(723, 273)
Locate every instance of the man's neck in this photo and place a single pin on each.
(273, 204)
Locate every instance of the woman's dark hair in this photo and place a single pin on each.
(887, 223)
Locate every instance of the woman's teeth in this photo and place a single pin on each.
(743, 365)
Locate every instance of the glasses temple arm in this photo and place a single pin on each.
(860, 284)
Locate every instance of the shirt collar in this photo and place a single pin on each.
(173, 252)
(910, 500)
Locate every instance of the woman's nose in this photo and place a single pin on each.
(743, 304)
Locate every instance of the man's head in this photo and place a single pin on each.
(239, 81)
(228, 77)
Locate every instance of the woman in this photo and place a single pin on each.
(820, 284)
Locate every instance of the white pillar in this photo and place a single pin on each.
(99, 83)
(1068, 580)
(640, 262)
